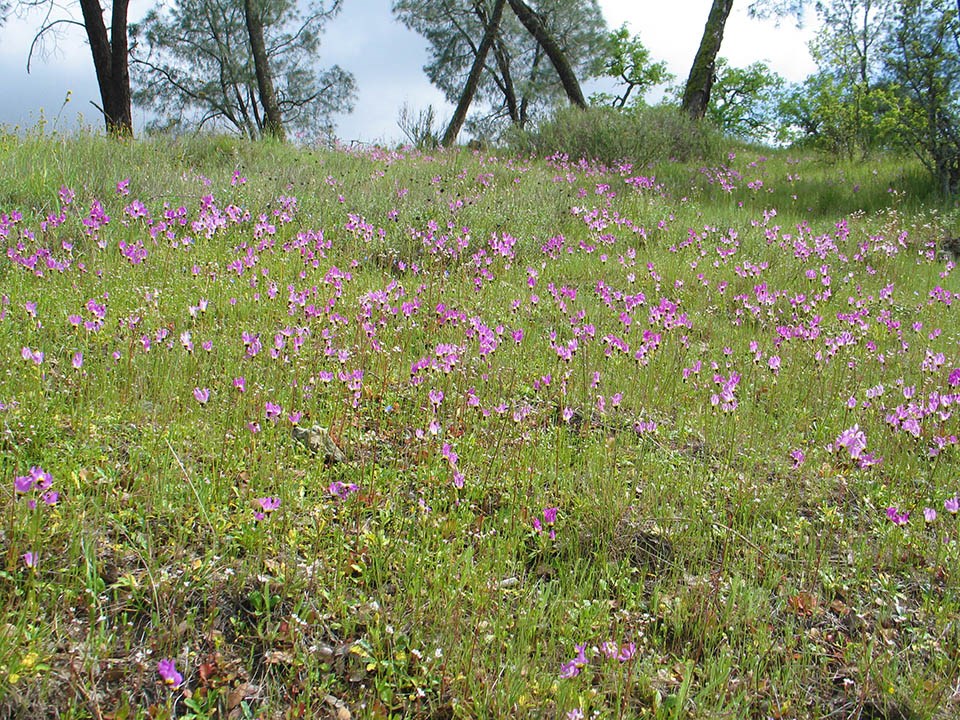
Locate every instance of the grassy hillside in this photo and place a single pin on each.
(673, 441)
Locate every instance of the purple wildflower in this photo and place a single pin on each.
(450, 454)
(609, 648)
(573, 667)
(854, 440)
(44, 479)
(269, 504)
(342, 490)
(896, 517)
(35, 355)
(167, 670)
(798, 457)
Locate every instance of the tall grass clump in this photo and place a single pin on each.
(644, 135)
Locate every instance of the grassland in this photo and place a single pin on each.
(674, 441)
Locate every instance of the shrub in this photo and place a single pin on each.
(642, 135)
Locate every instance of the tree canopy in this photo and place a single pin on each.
(628, 62)
(194, 67)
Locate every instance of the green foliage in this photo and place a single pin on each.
(193, 68)
(843, 109)
(843, 120)
(627, 60)
(923, 65)
(889, 78)
(642, 135)
(743, 101)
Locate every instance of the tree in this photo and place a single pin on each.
(110, 50)
(922, 63)
(818, 112)
(112, 63)
(779, 8)
(195, 66)
(492, 27)
(696, 93)
(517, 79)
(843, 108)
(850, 35)
(847, 49)
(743, 101)
(889, 77)
(627, 60)
(534, 23)
(273, 124)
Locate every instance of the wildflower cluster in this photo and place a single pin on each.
(607, 650)
(36, 488)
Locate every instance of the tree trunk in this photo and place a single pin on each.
(525, 100)
(534, 25)
(473, 79)
(507, 87)
(696, 93)
(111, 62)
(273, 126)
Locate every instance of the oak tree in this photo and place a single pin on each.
(703, 73)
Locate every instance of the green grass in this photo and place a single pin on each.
(728, 577)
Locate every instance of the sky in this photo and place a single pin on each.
(386, 59)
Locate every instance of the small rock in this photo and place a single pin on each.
(317, 440)
(339, 707)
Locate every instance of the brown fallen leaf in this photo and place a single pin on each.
(278, 657)
(239, 694)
